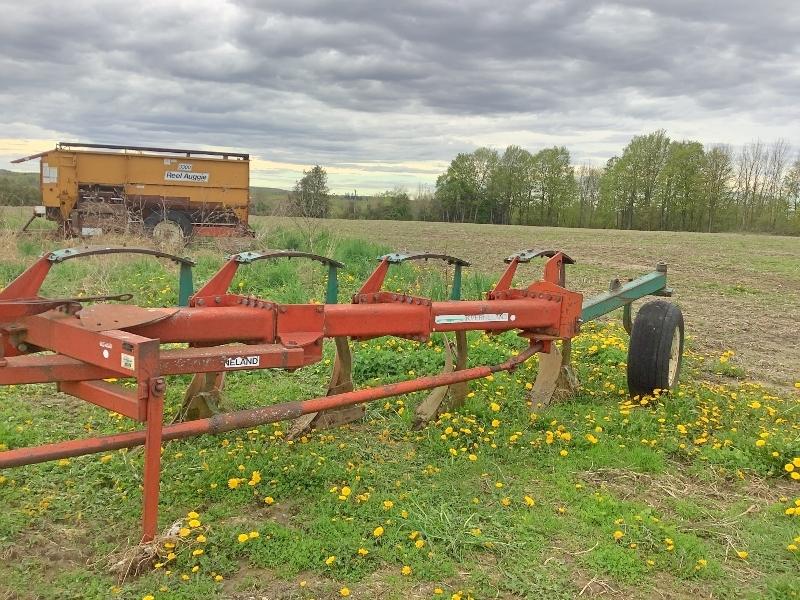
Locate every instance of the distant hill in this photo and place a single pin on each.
(19, 189)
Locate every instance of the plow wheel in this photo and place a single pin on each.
(555, 379)
(203, 397)
(656, 348)
(341, 381)
(448, 397)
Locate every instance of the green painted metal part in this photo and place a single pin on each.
(185, 284)
(332, 290)
(654, 283)
(455, 291)
(627, 317)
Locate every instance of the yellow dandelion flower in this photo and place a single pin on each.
(378, 531)
(242, 537)
(330, 560)
(344, 591)
(406, 570)
(618, 535)
(363, 551)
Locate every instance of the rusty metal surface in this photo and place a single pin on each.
(102, 317)
(108, 395)
(16, 309)
(40, 368)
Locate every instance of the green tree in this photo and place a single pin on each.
(511, 184)
(392, 205)
(633, 180)
(311, 196)
(716, 174)
(679, 199)
(465, 191)
(555, 184)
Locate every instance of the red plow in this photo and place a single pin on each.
(87, 349)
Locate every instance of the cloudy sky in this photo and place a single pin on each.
(385, 94)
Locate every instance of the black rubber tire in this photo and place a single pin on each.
(179, 218)
(651, 347)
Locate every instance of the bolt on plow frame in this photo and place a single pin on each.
(86, 349)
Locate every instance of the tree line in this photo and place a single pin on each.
(656, 183)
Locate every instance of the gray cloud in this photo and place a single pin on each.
(353, 82)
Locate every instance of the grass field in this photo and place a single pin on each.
(689, 495)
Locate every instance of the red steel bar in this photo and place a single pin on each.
(52, 368)
(152, 460)
(108, 395)
(244, 419)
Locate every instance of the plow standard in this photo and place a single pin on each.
(87, 350)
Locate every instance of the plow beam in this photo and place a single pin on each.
(245, 419)
(621, 295)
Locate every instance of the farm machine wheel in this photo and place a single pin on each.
(170, 228)
(656, 348)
